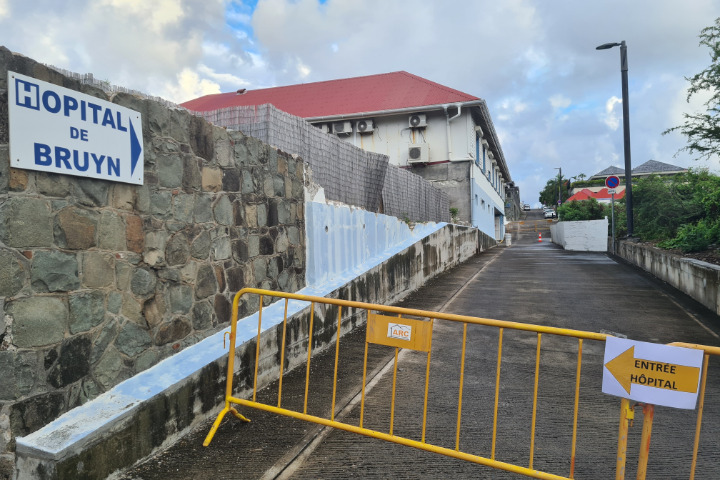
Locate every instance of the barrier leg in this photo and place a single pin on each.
(626, 415)
(648, 415)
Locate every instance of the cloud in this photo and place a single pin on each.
(546, 86)
(189, 85)
(612, 116)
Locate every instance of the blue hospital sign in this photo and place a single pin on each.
(58, 130)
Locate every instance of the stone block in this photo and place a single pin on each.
(203, 209)
(169, 171)
(267, 246)
(76, 228)
(91, 192)
(260, 270)
(205, 282)
(154, 311)
(143, 282)
(111, 369)
(183, 207)
(102, 339)
(18, 180)
(222, 248)
(235, 279)
(111, 232)
(98, 270)
(134, 234)
(175, 330)
(179, 299)
(211, 179)
(4, 168)
(200, 247)
(13, 273)
(177, 251)
(192, 180)
(161, 204)
(132, 339)
(54, 271)
(223, 211)
(87, 310)
(35, 412)
(132, 308)
(248, 182)
(52, 184)
(122, 196)
(202, 315)
(231, 180)
(26, 222)
(251, 215)
(38, 321)
(73, 362)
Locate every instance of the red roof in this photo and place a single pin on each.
(603, 194)
(373, 93)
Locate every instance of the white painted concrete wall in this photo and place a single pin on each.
(342, 240)
(584, 236)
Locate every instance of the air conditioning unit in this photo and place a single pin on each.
(342, 127)
(491, 156)
(479, 130)
(324, 127)
(364, 126)
(486, 144)
(418, 153)
(418, 120)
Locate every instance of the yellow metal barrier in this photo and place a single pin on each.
(397, 331)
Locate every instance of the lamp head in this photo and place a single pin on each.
(605, 46)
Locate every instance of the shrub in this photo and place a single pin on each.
(583, 210)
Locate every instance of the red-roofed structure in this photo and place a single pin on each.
(442, 134)
(361, 96)
(601, 196)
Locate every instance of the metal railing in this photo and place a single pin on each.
(419, 324)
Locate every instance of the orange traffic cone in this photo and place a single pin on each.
(539, 237)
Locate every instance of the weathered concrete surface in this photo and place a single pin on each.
(155, 407)
(585, 236)
(531, 281)
(700, 280)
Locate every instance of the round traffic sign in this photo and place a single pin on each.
(612, 181)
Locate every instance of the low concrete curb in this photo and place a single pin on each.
(700, 280)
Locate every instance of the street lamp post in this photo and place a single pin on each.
(559, 185)
(626, 130)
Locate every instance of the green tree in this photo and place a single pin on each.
(549, 194)
(702, 130)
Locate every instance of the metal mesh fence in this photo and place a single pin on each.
(347, 173)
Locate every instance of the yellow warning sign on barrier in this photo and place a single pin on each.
(399, 332)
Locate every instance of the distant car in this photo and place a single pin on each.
(549, 213)
(526, 207)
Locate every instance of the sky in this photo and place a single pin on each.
(555, 101)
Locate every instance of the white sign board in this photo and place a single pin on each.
(652, 373)
(58, 130)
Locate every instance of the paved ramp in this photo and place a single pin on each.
(533, 282)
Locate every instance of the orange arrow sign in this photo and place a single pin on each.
(628, 370)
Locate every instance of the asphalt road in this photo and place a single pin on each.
(530, 282)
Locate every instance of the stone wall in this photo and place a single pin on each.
(101, 280)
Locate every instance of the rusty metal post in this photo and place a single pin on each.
(648, 415)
